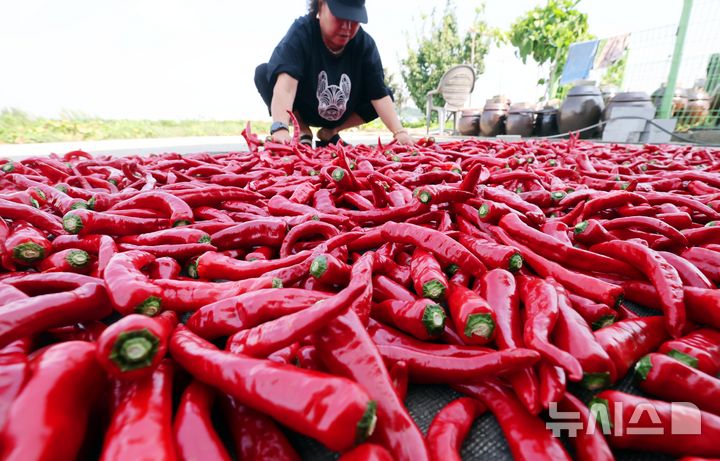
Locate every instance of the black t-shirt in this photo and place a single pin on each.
(330, 87)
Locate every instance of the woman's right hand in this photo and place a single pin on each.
(281, 136)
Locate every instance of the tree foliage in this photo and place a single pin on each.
(443, 47)
(545, 33)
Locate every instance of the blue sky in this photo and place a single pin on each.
(196, 58)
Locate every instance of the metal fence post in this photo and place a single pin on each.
(666, 106)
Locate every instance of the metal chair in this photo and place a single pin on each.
(455, 87)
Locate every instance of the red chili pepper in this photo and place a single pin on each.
(688, 272)
(177, 235)
(14, 372)
(195, 436)
(40, 219)
(258, 232)
(25, 317)
(611, 200)
(263, 385)
(133, 346)
(449, 428)
(255, 435)
(91, 222)
(85, 331)
(70, 260)
(533, 212)
(436, 242)
(34, 284)
(421, 318)
(143, 415)
(329, 270)
(165, 268)
(649, 224)
(24, 246)
(303, 231)
(346, 349)
(493, 254)
(628, 340)
(175, 208)
(552, 383)
(573, 334)
(526, 434)
(588, 441)
(367, 452)
(472, 316)
(595, 314)
(213, 265)
(541, 314)
(189, 295)
(211, 195)
(673, 381)
(708, 261)
(631, 412)
(699, 349)
(663, 276)
(59, 394)
(385, 289)
(427, 275)
(129, 289)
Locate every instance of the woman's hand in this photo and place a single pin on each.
(281, 136)
(402, 137)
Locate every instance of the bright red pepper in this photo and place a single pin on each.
(92, 222)
(699, 349)
(472, 315)
(449, 428)
(367, 452)
(421, 318)
(427, 275)
(175, 208)
(129, 289)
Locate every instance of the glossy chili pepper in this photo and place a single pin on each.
(210, 195)
(129, 289)
(86, 331)
(14, 372)
(673, 381)
(628, 340)
(472, 315)
(25, 317)
(24, 246)
(591, 232)
(259, 232)
(442, 194)
(586, 286)
(649, 224)
(263, 385)
(367, 452)
(164, 268)
(133, 346)
(189, 295)
(175, 208)
(436, 242)
(449, 428)
(213, 265)
(631, 412)
(533, 212)
(421, 318)
(552, 383)
(541, 314)
(595, 314)
(329, 270)
(195, 436)
(176, 235)
(38, 218)
(587, 440)
(92, 222)
(662, 275)
(526, 434)
(611, 200)
(255, 435)
(688, 272)
(492, 254)
(278, 333)
(346, 349)
(384, 288)
(550, 248)
(428, 278)
(141, 424)
(699, 349)
(708, 261)
(303, 231)
(34, 284)
(70, 260)
(67, 370)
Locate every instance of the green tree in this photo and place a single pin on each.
(545, 33)
(443, 47)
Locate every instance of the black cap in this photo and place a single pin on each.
(350, 10)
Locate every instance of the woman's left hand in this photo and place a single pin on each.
(404, 138)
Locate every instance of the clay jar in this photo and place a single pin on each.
(679, 100)
(582, 107)
(492, 120)
(546, 122)
(469, 122)
(520, 120)
(627, 99)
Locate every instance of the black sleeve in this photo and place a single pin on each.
(375, 87)
(289, 55)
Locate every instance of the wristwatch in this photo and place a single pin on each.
(277, 126)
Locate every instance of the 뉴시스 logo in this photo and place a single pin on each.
(685, 420)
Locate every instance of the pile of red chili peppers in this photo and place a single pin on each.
(305, 289)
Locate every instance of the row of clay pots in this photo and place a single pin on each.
(500, 117)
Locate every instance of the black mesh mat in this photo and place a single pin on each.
(486, 440)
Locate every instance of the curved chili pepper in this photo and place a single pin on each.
(688, 272)
(329, 270)
(133, 346)
(427, 275)
(708, 261)
(255, 435)
(178, 211)
(85, 331)
(141, 424)
(165, 268)
(385, 289)
(449, 428)
(367, 452)
(129, 289)
(442, 194)
(213, 265)
(210, 195)
(49, 282)
(552, 383)
(595, 314)
(436, 242)
(663, 276)
(533, 212)
(25, 317)
(673, 381)
(25, 246)
(38, 218)
(650, 224)
(699, 349)
(304, 230)
(635, 412)
(68, 370)
(421, 318)
(258, 232)
(472, 316)
(189, 295)
(14, 372)
(493, 254)
(263, 385)
(195, 437)
(610, 200)
(628, 340)
(588, 441)
(526, 434)
(176, 235)
(91, 222)
(541, 314)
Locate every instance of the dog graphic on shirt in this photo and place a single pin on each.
(332, 99)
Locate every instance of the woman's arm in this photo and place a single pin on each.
(282, 102)
(386, 110)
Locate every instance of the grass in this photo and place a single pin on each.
(18, 127)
